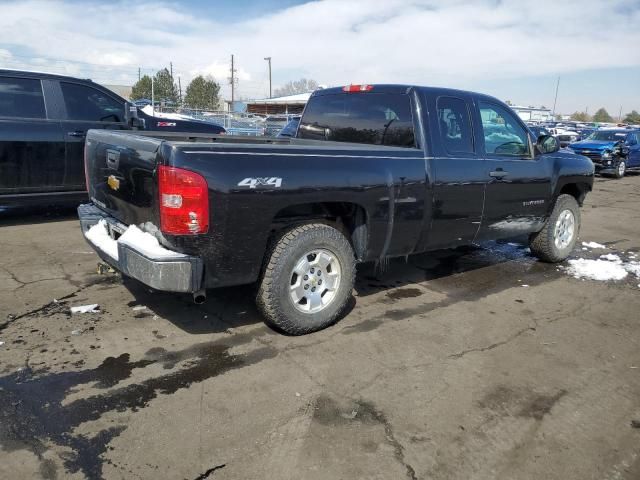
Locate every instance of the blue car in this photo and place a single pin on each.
(613, 151)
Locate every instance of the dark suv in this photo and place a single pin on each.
(44, 119)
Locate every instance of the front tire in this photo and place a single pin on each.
(557, 239)
(308, 279)
(621, 169)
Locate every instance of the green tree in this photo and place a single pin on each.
(163, 86)
(303, 85)
(202, 93)
(142, 88)
(580, 117)
(602, 116)
(633, 117)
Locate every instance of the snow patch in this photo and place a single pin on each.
(135, 238)
(594, 245)
(611, 257)
(601, 270)
(149, 110)
(633, 267)
(146, 243)
(99, 236)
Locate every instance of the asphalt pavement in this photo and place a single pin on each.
(474, 363)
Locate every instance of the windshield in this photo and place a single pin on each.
(608, 136)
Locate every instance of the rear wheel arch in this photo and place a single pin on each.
(348, 217)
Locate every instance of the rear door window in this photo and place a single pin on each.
(21, 97)
(87, 103)
(455, 125)
(370, 118)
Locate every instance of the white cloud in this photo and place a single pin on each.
(332, 41)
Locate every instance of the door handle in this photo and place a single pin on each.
(77, 133)
(498, 173)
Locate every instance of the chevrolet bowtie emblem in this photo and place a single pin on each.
(113, 182)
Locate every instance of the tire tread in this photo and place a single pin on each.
(267, 300)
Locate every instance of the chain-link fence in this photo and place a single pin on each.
(233, 122)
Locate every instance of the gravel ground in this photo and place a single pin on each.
(476, 363)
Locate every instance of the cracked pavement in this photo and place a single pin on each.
(445, 367)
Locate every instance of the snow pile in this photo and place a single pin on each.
(611, 257)
(148, 109)
(596, 269)
(593, 245)
(145, 243)
(99, 236)
(634, 268)
(133, 237)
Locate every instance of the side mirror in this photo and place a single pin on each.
(138, 123)
(134, 121)
(547, 144)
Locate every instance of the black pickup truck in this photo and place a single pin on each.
(373, 172)
(44, 119)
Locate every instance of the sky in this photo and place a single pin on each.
(514, 50)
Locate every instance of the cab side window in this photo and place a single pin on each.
(87, 103)
(21, 97)
(503, 134)
(455, 125)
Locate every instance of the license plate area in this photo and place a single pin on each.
(115, 230)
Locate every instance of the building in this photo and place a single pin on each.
(533, 114)
(123, 90)
(291, 104)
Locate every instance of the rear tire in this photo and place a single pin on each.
(308, 279)
(557, 239)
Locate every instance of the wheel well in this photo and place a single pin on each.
(350, 218)
(576, 190)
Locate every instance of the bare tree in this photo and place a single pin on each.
(296, 86)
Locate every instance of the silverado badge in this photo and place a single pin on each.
(113, 182)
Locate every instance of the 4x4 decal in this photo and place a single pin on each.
(261, 182)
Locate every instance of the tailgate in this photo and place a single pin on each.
(120, 174)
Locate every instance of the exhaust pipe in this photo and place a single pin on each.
(200, 297)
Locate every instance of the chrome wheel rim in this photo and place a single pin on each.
(621, 168)
(565, 229)
(315, 280)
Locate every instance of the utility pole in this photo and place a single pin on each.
(620, 116)
(268, 59)
(555, 99)
(138, 73)
(171, 69)
(153, 103)
(233, 83)
(180, 89)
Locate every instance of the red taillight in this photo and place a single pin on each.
(184, 201)
(357, 88)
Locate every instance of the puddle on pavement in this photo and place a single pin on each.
(33, 412)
